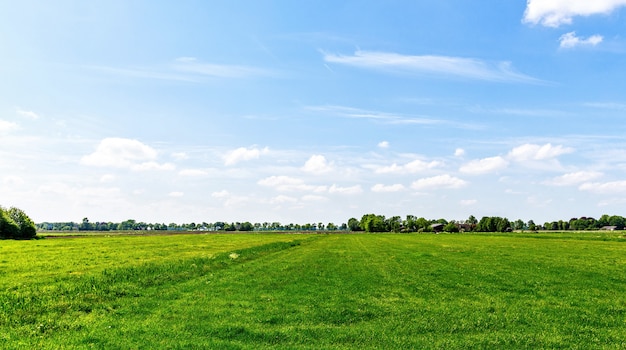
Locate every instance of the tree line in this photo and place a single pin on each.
(367, 223)
(15, 224)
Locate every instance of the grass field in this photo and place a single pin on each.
(563, 290)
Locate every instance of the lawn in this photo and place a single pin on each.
(387, 291)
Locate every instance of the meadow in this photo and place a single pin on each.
(297, 291)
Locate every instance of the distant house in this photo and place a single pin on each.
(608, 228)
(437, 227)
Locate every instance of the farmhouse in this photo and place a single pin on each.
(608, 228)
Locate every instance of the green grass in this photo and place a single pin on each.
(564, 290)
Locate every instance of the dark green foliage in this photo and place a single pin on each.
(493, 224)
(8, 227)
(15, 224)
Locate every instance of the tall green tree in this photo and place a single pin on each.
(14, 223)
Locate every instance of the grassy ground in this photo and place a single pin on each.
(315, 291)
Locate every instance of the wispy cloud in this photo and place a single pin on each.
(469, 68)
(390, 118)
(554, 13)
(194, 66)
(27, 114)
(188, 69)
(570, 40)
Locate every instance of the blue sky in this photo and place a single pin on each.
(309, 111)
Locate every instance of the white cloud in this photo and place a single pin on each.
(107, 178)
(317, 164)
(27, 114)
(554, 13)
(459, 152)
(180, 155)
(380, 188)
(313, 198)
(485, 165)
(220, 194)
(529, 151)
(468, 202)
(383, 144)
(612, 187)
(412, 167)
(192, 172)
(286, 183)
(442, 65)
(120, 153)
(345, 190)
(176, 194)
(149, 166)
(281, 199)
(244, 154)
(570, 40)
(12, 180)
(6, 126)
(195, 66)
(439, 181)
(576, 178)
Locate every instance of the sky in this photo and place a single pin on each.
(312, 111)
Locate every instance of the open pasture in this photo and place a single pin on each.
(387, 291)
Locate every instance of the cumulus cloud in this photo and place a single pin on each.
(192, 172)
(380, 188)
(612, 187)
(412, 167)
(554, 13)
(317, 164)
(383, 144)
(287, 183)
(439, 181)
(281, 199)
(125, 153)
(345, 190)
(148, 166)
(470, 68)
(459, 152)
(6, 126)
(485, 165)
(575, 178)
(244, 154)
(529, 151)
(570, 40)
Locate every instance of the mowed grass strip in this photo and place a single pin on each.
(356, 291)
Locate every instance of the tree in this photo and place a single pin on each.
(354, 225)
(8, 227)
(373, 223)
(14, 223)
(451, 227)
